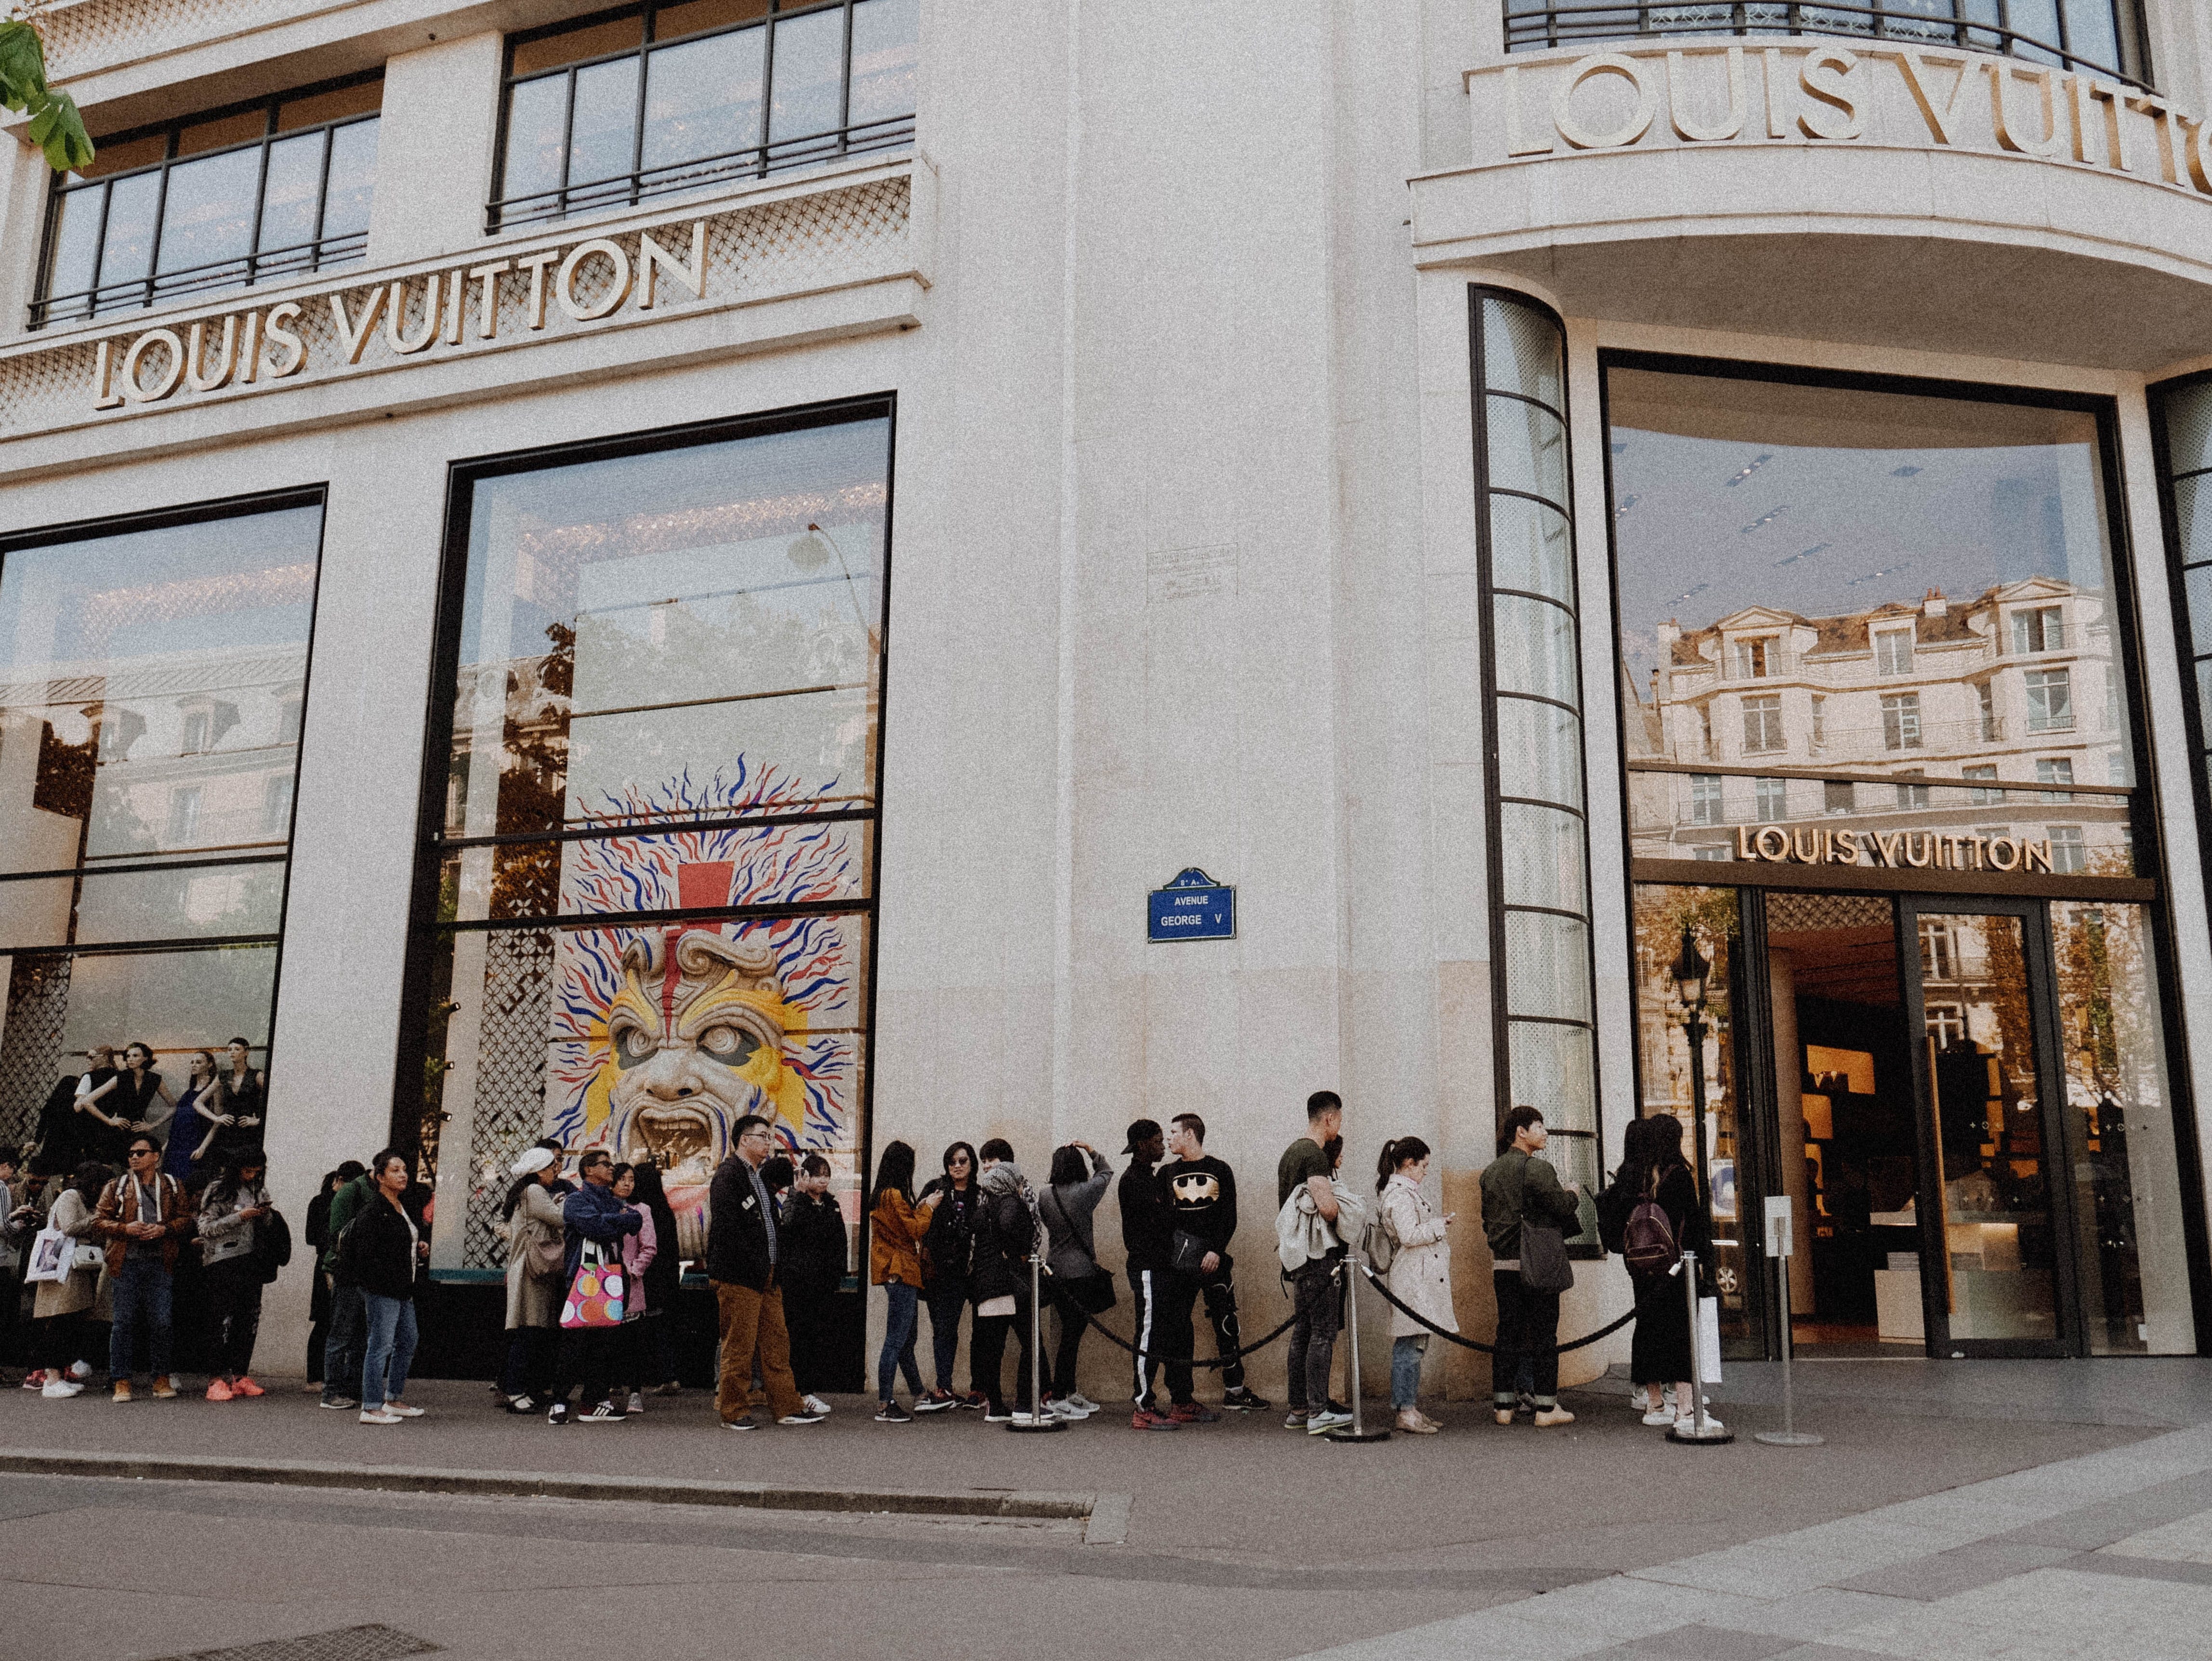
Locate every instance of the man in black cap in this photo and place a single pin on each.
(1148, 1234)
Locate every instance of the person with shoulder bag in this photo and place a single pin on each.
(69, 1301)
(143, 1217)
(1067, 1205)
(1667, 1220)
(234, 1219)
(1419, 1272)
(537, 1247)
(1526, 1216)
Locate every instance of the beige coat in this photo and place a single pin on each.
(74, 1217)
(532, 1300)
(1420, 1273)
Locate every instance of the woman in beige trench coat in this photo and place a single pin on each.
(535, 1237)
(61, 1307)
(1419, 1276)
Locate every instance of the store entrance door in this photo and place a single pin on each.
(1911, 1036)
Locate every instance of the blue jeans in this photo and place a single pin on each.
(898, 1340)
(142, 1291)
(391, 1349)
(342, 1350)
(1406, 1355)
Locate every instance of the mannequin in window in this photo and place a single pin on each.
(145, 1101)
(197, 1122)
(105, 1129)
(65, 1136)
(241, 1096)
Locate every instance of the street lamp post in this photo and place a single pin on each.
(1689, 971)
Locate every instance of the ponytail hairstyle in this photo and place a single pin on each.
(1407, 1150)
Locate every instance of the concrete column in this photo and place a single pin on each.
(433, 149)
(23, 176)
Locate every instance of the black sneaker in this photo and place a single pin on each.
(557, 1413)
(1242, 1400)
(802, 1417)
(746, 1423)
(521, 1404)
(606, 1413)
(341, 1402)
(936, 1402)
(890, 1413)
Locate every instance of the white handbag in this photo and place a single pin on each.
(50, 1257)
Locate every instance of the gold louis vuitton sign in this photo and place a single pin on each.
(427, 314)
(1876, 95)
(1944, 850)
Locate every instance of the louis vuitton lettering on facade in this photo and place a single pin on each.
(1873, 94)
(588, 282)
(1942, 850)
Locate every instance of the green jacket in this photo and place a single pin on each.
(345, 1206)
(1507, 1181)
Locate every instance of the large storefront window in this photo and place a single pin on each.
(152, 684)
(1875, 660)
(648, 903)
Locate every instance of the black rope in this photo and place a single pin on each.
(1067, 1306)
(1375, 1281)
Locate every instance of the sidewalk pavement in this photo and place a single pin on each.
(1241, 1539)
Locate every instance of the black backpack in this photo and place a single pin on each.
(1647, 1239)
(1613, 1205)
(272, 1244)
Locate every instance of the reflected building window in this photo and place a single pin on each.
(1900, 720)
(143, 674)
(2069, 848)
(1771, 799)
(1982, 796)
(1705, 798)
(1762, 724)
(2049, 701)
(1893, 651)
(2039, 628)
(2055, 771)
(648, 908)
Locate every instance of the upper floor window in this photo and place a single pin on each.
(1893, 651)
(1900, 720)
(2049, 701)
(2102, 37)
(1755, 660)
(2039, 628)
(1705, 798)
(1762, 724)
(670, 97)
(194, 207)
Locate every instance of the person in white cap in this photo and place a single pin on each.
(532, 1221)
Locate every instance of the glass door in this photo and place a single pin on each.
(1994, 1277)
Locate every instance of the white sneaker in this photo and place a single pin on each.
(1066, 1408)
(1659, 1415)
(637, 1401)
(378, 1416)
(1076, 1398)
(61, 1390)
(80, 1370)
(403, 1412)
(1687, 1423)
(1324, 1420)
(814, 1404)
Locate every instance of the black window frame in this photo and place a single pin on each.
(158, 287)
(640, 183)
(1548, 25)
(431, 844)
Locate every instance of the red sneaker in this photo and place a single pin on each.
(243, 1385)
(1144, 1419)
(217, 1390)
(36, 1379)
(1192, 1413)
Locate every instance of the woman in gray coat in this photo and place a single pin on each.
(535, 1241)
(1067, 1205)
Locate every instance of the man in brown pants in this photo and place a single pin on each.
(742, 1252)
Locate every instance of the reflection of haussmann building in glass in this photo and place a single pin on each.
(655, 562)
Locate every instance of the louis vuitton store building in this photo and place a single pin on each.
(584, 570)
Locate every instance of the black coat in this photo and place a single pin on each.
(813, 1244)
(379, 1252)
(737, 1229)
(1004, 1231)
(949, 1238)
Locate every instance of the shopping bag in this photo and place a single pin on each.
(596, 1290)
(1709, 1339)
(49, 1258)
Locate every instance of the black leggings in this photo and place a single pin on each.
(234, 1298)
(987, 1355)
(1066, 1353)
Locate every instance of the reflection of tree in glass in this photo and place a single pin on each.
(1712, 916)
(2106, 1014)
(533, 774)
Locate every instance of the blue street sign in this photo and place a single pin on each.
(1194, 907)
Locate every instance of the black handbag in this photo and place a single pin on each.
(272, 1244)
(1186, 1253)
(1093, 1293)
(1544, 1265)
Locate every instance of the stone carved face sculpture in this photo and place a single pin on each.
(697, 1034)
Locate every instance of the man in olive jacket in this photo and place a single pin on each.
(346, 1347)
(1518, 1186)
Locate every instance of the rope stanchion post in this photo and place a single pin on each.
(1701, 1430)
(1781, 1244)
(1036, 1419)
(1357, 1431)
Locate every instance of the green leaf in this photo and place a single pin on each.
(56, 125)
(22, 61)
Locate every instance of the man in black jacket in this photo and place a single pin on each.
(1148, 1235)
(1201, 1192)
(742, 1260)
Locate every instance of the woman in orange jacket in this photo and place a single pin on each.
(896, 1225)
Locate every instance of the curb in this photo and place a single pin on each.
(428, 1479)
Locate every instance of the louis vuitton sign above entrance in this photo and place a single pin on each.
(1870, 95)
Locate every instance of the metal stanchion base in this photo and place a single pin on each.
(1788, 1438)
(1711, 1436)
(1030, 1424)
(1348, 1434)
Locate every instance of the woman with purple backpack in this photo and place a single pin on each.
(1665, 1197)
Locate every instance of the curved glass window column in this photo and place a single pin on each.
(2098, 36)
(1539, 842)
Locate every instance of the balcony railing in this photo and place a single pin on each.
(1967, 25)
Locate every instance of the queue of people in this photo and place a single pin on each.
(591, 1275)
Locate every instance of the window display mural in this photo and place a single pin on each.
(152, 684)
(648, 907)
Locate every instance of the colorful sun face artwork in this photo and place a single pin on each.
(666, 1034)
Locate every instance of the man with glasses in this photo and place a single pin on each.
(143, 1215)
(742, 1262)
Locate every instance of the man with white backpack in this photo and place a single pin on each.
(1310, 1229)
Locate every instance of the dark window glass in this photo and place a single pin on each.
(663, 700)
(730, 89)
(230, 201)
(147, 679)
